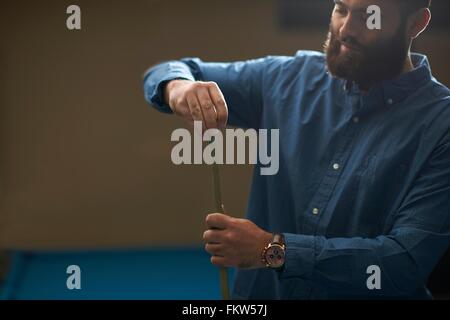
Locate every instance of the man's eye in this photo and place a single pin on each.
(340, 10)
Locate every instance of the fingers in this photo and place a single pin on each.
(201, 101)
(219, 103)
(194, 108)
(182, 109)
(215, 249)
(219, 261)
(214, 236)
(217, 221)
(207, 107)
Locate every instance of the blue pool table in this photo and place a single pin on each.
(153, 274)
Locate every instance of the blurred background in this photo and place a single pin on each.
(85, 170)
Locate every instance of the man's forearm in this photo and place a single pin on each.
(341, 264)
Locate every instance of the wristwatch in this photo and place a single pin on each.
(273, 255)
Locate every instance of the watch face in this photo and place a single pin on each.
(275, 256)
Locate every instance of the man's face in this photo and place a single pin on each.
(356, 53)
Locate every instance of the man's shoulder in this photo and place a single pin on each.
(300, 56)
(301, 63)
(437, 97)
(440, 90)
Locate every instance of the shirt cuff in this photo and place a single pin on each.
(300, 256)
(164, 73)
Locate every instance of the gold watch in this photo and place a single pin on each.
(273, 255)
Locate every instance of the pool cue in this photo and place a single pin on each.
(220, 209)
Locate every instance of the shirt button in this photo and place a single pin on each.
(336, 166)
(390, 101)
(356, 120)
(315, 211)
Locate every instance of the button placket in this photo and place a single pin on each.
(329, 181)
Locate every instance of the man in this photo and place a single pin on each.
(360, 207)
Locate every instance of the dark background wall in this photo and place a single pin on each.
(83, 161)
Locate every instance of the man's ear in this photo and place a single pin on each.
(418, 22)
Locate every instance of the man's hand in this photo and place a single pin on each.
(235, 242)
(197, 101)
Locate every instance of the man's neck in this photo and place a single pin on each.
(409, 66)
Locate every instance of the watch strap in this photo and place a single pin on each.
(278, 238)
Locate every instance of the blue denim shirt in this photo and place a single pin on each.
(364, 178)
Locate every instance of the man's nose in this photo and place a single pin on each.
(350, 28)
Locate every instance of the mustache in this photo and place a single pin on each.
(351, 42)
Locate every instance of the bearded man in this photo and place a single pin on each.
(360, 207)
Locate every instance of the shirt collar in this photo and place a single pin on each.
(390, 92)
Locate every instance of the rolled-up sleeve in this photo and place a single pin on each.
(241, 83)
(156, 77)
(406, 255)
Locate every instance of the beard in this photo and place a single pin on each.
(366, 65)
